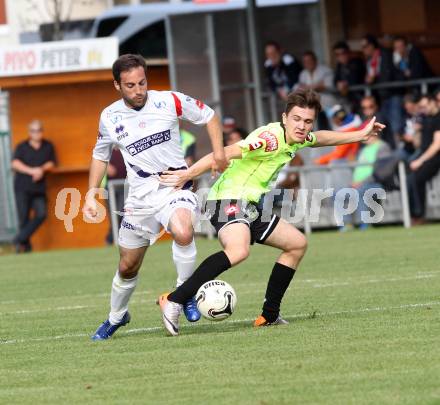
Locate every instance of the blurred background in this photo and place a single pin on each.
(241, 57)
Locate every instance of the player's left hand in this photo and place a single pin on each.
(219, 165)
(373, 128)
(174, 178)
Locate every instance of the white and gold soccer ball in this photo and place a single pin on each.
(216, 300)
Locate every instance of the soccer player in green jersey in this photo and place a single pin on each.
(232, 203)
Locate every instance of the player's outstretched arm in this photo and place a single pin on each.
(178, 178)
(332, 138)
(96, 174)
(219, 161)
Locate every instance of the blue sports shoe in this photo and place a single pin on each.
(106, 330)
(190, 310)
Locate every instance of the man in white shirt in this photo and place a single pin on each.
(144, 125)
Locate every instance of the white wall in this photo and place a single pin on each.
(27, 15)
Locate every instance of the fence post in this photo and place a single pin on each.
(404, 195)
(304, 196)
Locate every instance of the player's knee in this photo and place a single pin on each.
(298, 246)
(183, 237)
(237, 254)
(129, 267)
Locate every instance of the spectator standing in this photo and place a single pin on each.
(349, 71)
(427, 165)
(32, 160)
(319, 78)
(380, 69)
(282, 70)
(409, 60)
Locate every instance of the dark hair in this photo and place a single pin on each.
(371, 40)
(312, 54)
(411, 98)
(276, 45)
(341, 45)
(304, 98)
(401, 38)
(127, 62)
(242, 132)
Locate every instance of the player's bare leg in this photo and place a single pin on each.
(293, 245)
(184, 254)
(235, 239)
(123, 286)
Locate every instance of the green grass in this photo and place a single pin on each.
(364, 313)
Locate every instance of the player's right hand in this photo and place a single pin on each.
(175, 178)
(90, 209)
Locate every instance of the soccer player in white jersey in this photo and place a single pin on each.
(144, 125)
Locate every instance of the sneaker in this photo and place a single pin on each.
(170, 314)
(106, 330)
(190, 310)
(261, 321)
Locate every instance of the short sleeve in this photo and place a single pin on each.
(51, 157)
(19, 152)
(103, 147)
(309, 141)
(192, 110)
(260, 144)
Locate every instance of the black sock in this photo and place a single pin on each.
(208, 270)
(279, 280)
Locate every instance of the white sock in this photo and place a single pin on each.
(121, 292)
(185, 261)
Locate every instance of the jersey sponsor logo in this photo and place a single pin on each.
(309, 137)
(160, 104)
(200, 104)
(271, 141)
(256, 145)
(148, 142)
(291, 154)
(121, 134)
(232, 209)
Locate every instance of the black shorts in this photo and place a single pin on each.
(224, 212)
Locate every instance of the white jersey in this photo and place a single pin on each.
(149, 139)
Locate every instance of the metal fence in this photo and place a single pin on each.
(315, 178)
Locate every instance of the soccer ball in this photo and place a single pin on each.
(216, 300)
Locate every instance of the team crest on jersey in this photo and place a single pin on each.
(232, 209)
(309, 137)
(271, 141)
(160, 104)
(115, 118)
(255, 145)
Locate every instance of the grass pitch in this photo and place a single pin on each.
(364, 314)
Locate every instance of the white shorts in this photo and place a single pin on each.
(143, 226)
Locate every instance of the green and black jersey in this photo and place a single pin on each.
(264, 153)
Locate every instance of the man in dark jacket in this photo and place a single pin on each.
(282, 70)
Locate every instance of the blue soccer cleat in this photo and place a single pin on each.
(106, 330)
(190, 310)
